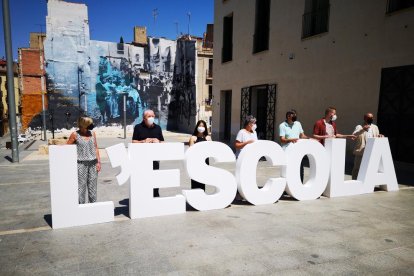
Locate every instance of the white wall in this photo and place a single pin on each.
(340, 68)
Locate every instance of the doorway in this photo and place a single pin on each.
(260, 101)
(396, 111)
(225, 110)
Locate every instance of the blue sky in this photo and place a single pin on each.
(109, 20)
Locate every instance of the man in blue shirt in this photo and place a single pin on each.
(290, 131)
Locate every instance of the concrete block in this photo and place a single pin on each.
(43, 150)
(57, 141)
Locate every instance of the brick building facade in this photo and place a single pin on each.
(32, 82)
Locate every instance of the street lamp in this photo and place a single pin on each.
(51, 113)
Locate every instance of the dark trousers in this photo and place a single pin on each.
(305, 160)
(302, 170)
(198, 185)
(156, 166)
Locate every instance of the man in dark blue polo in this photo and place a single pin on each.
(149, 132)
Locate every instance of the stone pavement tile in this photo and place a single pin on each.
(192, 258)
(285, 244)
(11, 245)
(375, 262)
(308, 257)
(278, 262)
(380, 242)
(404, 253)
(402, 270)
(367, 264)
(140, 267)
(45, 262)
(331, 268)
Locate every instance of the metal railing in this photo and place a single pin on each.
(209, 74)
(314, 23)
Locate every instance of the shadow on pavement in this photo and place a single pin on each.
(8, 158)
(48, 219)
(122, 210)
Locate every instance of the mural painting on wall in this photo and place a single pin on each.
(160, 76)
(183, 95)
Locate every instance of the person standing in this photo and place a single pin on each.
(89, 161)
(290, 131)
(326, 127)
(200, 134)
(149, 132)
(362, 133)
(246, 135)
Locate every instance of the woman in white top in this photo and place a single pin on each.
(246, 135)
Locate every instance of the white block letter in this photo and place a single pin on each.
(66, 211)
(246, 168)
(144, 179)
(319, 169)
(337, 186)
(377, 166)
(198, 170)
(119, 157)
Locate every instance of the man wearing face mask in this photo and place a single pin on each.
(246, 135)
(148, 132)
(326, 127)
(290, 131)
(362, 132)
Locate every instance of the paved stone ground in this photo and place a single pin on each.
(365, 234)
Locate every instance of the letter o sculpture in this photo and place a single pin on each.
(319, 172)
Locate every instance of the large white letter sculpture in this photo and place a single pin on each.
(377, 167)
(246, 169)
(222, 180)
(144, 179)
(66, 211)
(337, 186)
(319, 169)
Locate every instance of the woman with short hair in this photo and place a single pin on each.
(246, 135)
(89, 163)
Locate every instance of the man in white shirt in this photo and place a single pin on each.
(362, 133)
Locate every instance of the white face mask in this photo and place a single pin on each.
(254, 127)
(201, 129)
(150, 120)
(334, 117)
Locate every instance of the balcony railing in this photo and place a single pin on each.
(207, 44)
(314, 23)
(208, 101)
(209, 74)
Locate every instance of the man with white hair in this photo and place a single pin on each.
(148, 132)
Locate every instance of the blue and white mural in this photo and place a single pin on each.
(101, 79)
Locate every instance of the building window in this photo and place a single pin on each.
(316, 17)
(396, 5)
(261, 26)
(227, 50)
